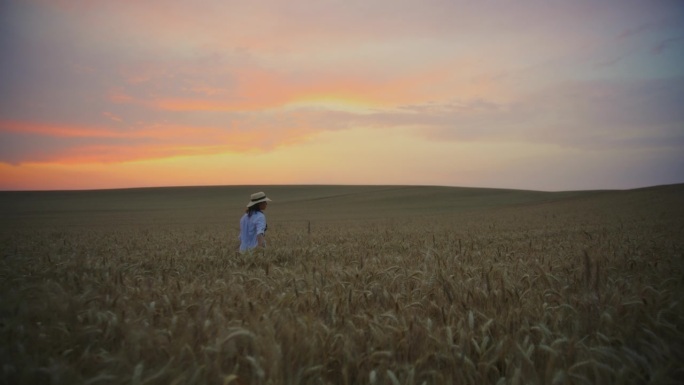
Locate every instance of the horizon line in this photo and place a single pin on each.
(325, 185)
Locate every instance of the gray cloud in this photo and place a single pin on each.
(589, 115)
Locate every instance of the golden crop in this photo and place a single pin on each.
(579, 290)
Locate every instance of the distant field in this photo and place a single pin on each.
(360, 284)
(216, 205)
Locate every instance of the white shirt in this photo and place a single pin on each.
(250, 227)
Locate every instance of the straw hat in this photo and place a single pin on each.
(257, 198)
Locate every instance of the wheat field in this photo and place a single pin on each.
(359, 285)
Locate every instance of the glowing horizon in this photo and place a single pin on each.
(533, 95)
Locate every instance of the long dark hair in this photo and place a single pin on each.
(253, 209)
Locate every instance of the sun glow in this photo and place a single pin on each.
(355, 105)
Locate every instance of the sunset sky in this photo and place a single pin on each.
(527, 94)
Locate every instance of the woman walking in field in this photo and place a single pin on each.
(253, 223)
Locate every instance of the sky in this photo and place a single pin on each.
(528, 94)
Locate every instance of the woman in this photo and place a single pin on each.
(253, 223)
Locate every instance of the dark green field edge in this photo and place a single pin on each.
(223, 204)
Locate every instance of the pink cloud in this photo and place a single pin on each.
(73, 144)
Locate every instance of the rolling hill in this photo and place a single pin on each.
(223, 204)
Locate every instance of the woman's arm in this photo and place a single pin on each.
(261, 229)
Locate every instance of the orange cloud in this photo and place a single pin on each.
(93, 144)
(259, 90)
